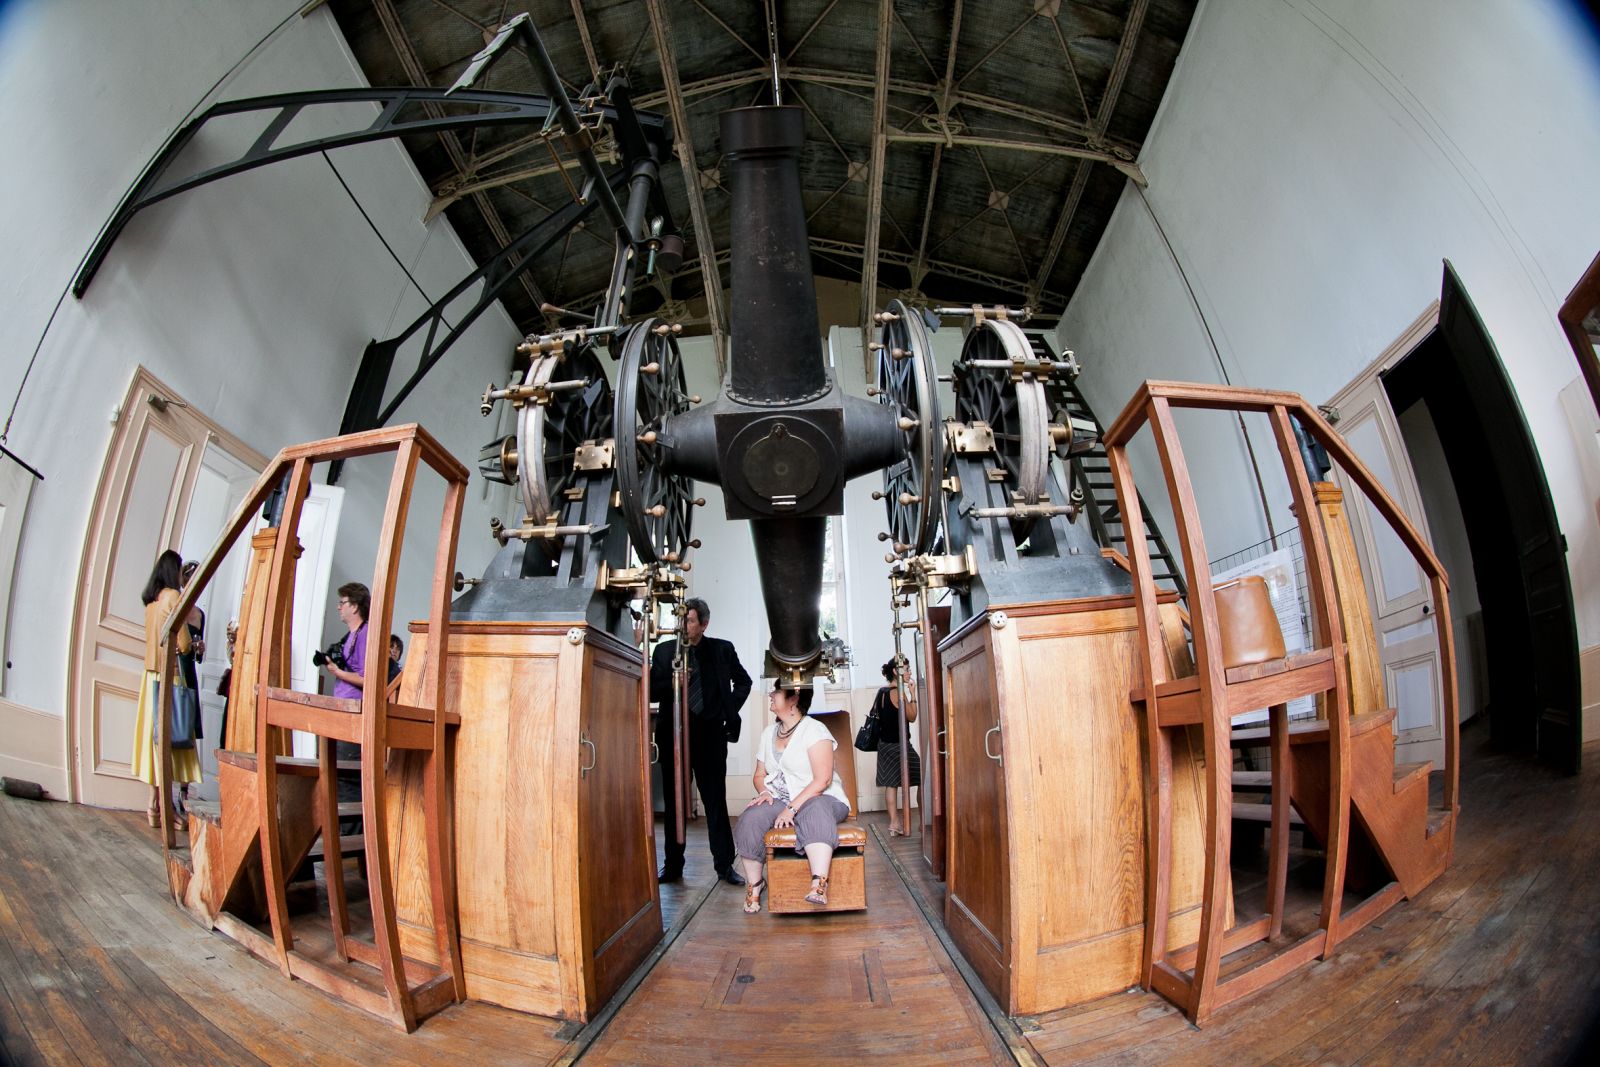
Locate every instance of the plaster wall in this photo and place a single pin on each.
(252, 297)
(1311, 166)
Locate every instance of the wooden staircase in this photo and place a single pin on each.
(275, 811)
(1389, 800)
(1091, 472)
(1337, 773)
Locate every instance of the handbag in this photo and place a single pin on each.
(867, 736)
(185, 716)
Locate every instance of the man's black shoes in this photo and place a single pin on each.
(731, 876)
(670, 874)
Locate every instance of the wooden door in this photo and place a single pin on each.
(1403, 611)
(930, 683)
(140, 509)
(977, 871)
(621, 914)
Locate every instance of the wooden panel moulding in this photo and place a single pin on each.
(1071, 829)
(555, 866)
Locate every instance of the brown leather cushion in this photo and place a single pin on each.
(1250, 631)
(850, 836)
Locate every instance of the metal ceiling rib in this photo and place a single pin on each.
(957, 151)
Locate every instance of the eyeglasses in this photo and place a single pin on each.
(343, 603)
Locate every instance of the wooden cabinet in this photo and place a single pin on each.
(1046, 822)
(555, 854)
(931, 802)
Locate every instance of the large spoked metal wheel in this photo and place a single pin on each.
(1017, 412)
(907, 381)
(657, 507)
(549, 434)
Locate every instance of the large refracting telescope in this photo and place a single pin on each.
(782, 438)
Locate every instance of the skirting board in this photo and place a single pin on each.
(33, 748)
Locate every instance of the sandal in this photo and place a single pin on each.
(819, 891)
(154, 816)
(752, 897)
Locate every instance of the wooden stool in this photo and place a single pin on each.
(789, 875)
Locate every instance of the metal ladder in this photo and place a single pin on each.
(1091, 472)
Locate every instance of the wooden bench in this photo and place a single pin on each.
(788, 872)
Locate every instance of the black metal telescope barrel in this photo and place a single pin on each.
(776, 346)
(782, 439)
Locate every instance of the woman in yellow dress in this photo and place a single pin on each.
(160, 597)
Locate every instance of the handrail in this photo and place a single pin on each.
(1231, 398)
(350, 446)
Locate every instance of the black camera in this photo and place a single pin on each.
(333, 654)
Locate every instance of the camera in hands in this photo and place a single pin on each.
(333, 654)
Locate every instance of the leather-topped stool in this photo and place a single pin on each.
(789, 875)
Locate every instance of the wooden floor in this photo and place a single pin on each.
(1498, 962)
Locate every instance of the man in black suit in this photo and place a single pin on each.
(718, 686)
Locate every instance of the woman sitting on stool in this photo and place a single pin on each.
(796, 786)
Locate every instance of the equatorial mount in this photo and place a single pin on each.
(657, 507)
(907, 382)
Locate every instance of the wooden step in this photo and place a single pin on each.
(1408, 774)
(1252, 780)
(1313, 731)
(348, 846)
(208, 810)
(1262, 813)
(246, 761)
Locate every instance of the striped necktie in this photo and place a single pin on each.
(697, 700)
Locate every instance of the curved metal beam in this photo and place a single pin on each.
(511, 109)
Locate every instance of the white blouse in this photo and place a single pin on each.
(789, 771)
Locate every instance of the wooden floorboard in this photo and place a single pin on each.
(842, 987)
(1498, 962)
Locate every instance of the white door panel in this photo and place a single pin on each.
(1397, 589)
(146, 503)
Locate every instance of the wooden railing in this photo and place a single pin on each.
(295, 462)
(1163, 396)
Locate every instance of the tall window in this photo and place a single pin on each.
(832, 600)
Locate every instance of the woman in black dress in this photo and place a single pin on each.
(887, 707)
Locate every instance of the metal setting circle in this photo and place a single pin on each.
(548, 435)
(643, 403)
(909, 385)
(1017, 412)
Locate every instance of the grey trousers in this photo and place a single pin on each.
(817, 823)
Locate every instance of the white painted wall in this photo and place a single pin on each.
(253, 297)
(1311, 165)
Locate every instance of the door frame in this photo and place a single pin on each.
(1424, 741)
(115, 471)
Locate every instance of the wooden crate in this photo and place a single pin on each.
(789, 879)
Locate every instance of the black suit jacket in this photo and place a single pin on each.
(724, 685)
